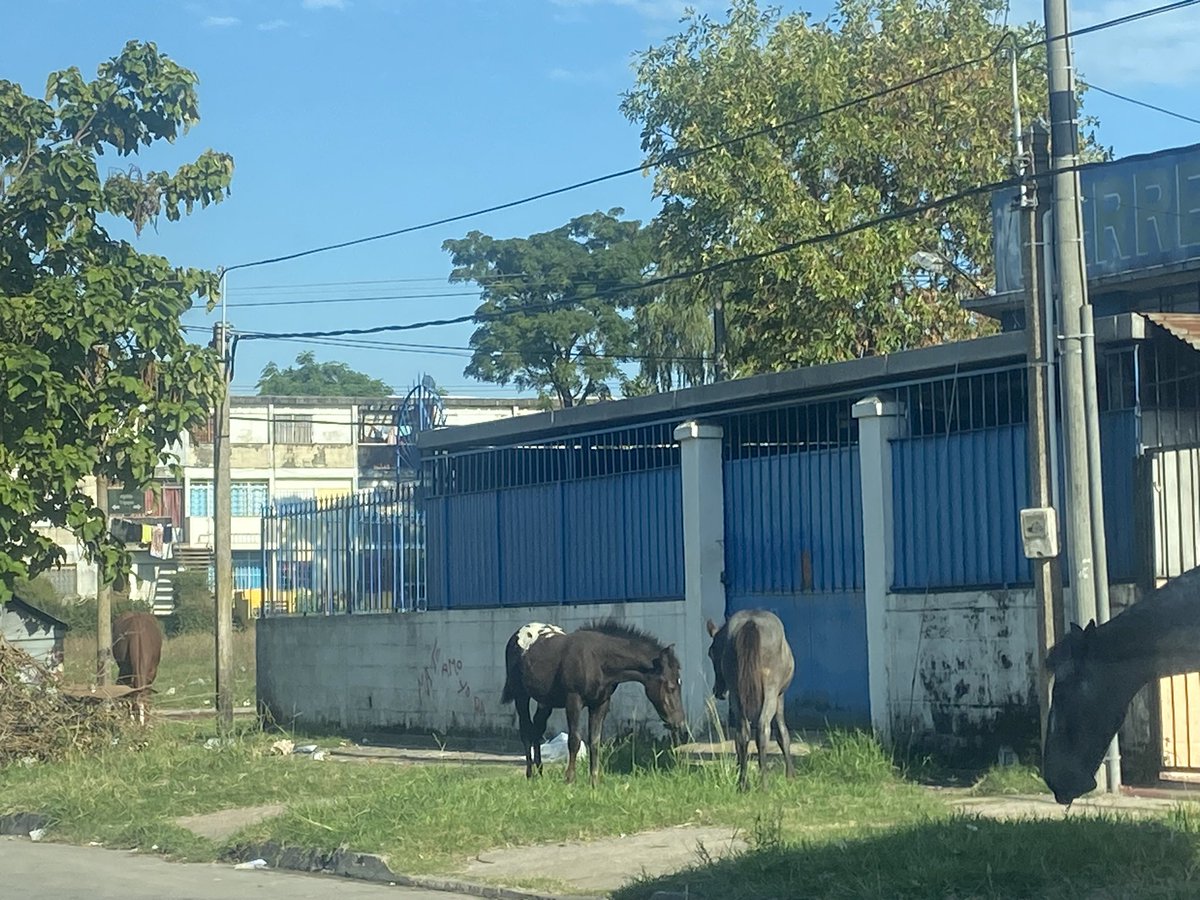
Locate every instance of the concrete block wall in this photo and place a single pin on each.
(441, 670)
(963, 668)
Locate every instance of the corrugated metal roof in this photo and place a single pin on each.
(1185, 326)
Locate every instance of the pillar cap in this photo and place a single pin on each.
(698, 430)
(875, 407)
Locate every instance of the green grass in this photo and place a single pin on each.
(423, 818)
(848, 826)
(959, 857)
(186, 674)
(1009, 780)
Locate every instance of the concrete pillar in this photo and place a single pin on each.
(703, 558)
(879, 421)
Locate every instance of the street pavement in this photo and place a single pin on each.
(64, 872)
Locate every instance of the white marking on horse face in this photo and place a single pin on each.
(527, 635)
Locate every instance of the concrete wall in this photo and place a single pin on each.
(962, 670)
(441, 670)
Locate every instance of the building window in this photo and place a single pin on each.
(293, 429)
(247, 498)
(200, 498)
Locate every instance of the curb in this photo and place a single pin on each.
(22, 823)
(369, 867)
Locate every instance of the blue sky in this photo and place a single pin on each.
(351, 117)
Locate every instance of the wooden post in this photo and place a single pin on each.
(103, 600)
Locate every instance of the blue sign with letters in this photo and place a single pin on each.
(1139, 214)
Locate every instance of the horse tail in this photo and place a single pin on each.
(747, 650)
(512, 677)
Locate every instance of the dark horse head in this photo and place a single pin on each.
(1087, 707)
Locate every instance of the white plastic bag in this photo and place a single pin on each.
(555, 749)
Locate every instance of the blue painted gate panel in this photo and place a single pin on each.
(1118, 454)
(471, 577)
(613, 538)
(794, 545)
(529, 525)
(956, 501)
(793, 522)
(624, 537)
(828, 636)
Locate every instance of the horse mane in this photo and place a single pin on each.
(747, 650)
(614, 628)
(1172, 610)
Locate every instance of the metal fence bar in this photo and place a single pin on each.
(361, 553)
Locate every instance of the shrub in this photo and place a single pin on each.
(195, 607)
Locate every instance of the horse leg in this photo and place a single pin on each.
(526, 725)
(740, 726)
(539, 732)
(784, 737)
(574, 708)
(595, 726)
(765, 716)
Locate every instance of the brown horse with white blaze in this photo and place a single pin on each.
(137, 650)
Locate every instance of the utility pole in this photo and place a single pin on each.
(719, 334)
(1088, 563)
(1047, 579)
(103, 600)
(223, 535)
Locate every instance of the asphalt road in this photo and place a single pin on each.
(65, 872)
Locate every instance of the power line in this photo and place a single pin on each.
(652, 282)
(676, 155)
(1136, 102)
(368, 299)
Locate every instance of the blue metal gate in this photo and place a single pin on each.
(794, 545)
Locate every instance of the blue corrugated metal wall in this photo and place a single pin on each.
(618, 537)
(955, 501)
(788, 513)
(794, 545)
(972, 485)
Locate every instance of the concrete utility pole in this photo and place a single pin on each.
(1047, 576)
(223, 533)
(103, 601)
(1075, 319)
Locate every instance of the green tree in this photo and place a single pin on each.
(96, 377)
(309, 378)
(885, 288)
(555, 305)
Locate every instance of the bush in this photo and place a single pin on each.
(39, 592)
(195, 606)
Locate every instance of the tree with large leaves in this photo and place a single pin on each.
(554, 316)
(96, 375)
(888, 287)
(309, 378)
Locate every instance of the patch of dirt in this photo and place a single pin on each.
(219, 826)
(606, 864)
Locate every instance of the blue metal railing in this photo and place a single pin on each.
(364, 552)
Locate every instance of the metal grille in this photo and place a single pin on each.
(359, 553)
(622, 451)
(965, 402)
(793, 506)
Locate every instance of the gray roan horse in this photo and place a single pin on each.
(1097, 670)
(750, 654)
(582, 669)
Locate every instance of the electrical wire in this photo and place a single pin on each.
(677, 155)
(650, 282)
(1143, 103)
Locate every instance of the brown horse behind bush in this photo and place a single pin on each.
(137, 650)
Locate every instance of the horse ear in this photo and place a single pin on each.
(712, 628)
(1091, 626)
(1075, 628)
